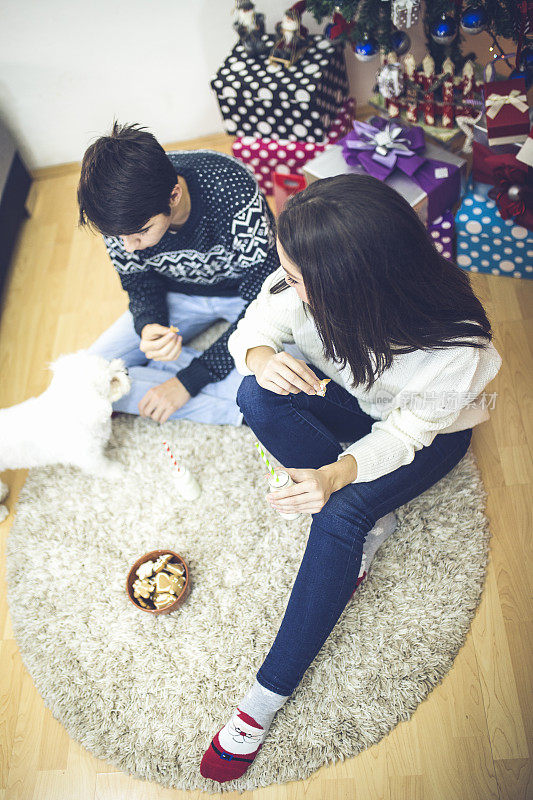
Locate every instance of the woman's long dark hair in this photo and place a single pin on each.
(376, 285)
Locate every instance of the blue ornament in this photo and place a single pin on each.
(445, 30)
(327, 30)
(525, 59)
(367, 49)
(474, 19)
(526, 74)
(400, 42)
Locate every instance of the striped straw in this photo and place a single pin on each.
(169, 451)
(267, 462)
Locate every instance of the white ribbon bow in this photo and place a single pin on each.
(495, 102)
(466, 125)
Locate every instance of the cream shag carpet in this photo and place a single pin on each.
(147, 694)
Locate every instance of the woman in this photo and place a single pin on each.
(407, 345)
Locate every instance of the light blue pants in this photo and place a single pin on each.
(216, 403)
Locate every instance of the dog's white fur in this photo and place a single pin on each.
(69, 423)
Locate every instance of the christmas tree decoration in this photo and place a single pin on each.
(525, 59)
(390, 80)
(444, 30)
(400, 42)
(474, 19)
(339, 29)
(293, 40)
(405, 13)
(250, 27)
(440, 97)
(367, 49)
(445, 22)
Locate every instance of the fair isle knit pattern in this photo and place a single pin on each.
(422, 394)
(225, 248)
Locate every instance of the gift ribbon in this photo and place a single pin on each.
(504, 170)
(495, 102)
(507, 175)
(466, 125)
(381, 147)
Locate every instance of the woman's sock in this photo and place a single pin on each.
(379, 534)
(236, 745)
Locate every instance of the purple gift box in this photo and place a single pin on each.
(442, 232)
(383, 148)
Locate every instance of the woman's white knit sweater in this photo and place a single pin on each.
(422, 394)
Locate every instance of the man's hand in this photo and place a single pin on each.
(161, 401)
(313, 487)
(159, 343)
(281, 373)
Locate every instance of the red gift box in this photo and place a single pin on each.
(507, 111)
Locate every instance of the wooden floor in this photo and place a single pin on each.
(472, 738)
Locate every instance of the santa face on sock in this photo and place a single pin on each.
(239, 737)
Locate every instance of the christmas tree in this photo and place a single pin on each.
(374, 25)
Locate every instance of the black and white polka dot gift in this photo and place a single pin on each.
(297, 103)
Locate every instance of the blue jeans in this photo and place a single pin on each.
(305, 431)
(215, 403)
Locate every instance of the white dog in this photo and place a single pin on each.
(69, 423)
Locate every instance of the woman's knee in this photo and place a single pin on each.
(252, 398)
(345, 515)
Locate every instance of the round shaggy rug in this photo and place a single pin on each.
(147, 694)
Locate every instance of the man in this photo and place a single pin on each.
(191, 237)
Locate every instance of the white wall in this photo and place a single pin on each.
(67, 68)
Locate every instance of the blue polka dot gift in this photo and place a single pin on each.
(295, 102)
(488, 243)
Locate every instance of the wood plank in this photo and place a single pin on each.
(515, 779)
(10, 689)
(500, 697)
(54, 745)
(23, 766)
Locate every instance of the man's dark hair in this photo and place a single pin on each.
(376, 285)
(126, 178)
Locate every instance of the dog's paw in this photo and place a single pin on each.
(4, 513)
(4, 491)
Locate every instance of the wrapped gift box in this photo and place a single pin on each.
(442, 232)
(295, 103)
(486, 242)
(331, 162)
(481, 136)
(507, 111)
(265, 156)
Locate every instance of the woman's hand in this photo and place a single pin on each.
(281, 373)
(313, 487)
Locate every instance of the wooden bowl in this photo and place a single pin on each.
(152, 556)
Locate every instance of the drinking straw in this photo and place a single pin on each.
(169, 451)
(267, 462)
